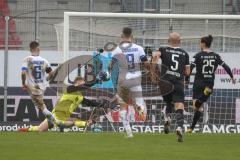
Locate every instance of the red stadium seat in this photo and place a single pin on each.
(14, 40)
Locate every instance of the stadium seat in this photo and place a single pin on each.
(14, 40)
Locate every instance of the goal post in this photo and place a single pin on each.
(82, 33)
(137, 16)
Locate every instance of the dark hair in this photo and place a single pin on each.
(127, 32)
(207, 40)
(33, 45)
(78, 78)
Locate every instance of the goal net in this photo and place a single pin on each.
(82, 34)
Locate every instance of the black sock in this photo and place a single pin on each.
(196, 117)
(169, 109)
(179, 117)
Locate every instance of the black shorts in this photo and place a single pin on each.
(198, 89)
(177, 95)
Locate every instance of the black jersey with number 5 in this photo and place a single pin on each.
(174, 59)
(206, 64)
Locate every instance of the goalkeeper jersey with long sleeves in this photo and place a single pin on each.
(71, 99)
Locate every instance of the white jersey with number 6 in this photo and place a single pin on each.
(35, 66)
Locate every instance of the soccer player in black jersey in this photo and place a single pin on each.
(176, 60)
(206, 63)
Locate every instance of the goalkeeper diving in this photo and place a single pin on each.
(66, 105)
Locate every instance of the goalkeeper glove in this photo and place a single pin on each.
(103, 76)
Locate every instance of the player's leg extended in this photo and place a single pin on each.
(38, 101)
(123, 98)
(179, 107)
(69, 123)
(124, 119)
(167, 115)
(44, 126)
(197, 114)
(178, 99)
(74, 122)
(63, 120)
(80, 123)
(141, 109)
(200, 96)
(138, 102)
(169, 110)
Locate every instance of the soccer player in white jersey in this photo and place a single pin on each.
(128, 57)
(34, 69)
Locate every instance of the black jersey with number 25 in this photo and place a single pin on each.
(206, 64)
(175, 59)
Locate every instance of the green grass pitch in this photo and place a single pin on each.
(110, 146)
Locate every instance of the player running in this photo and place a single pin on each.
(206, 63)
(65, 106)
(128, 57)
(177, 62)
(34, 69)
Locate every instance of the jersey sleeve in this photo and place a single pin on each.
(219, 60)
(142, 54)
(161, 49)
(116, 51)
(73, 88)
(25, 64)
(48, 68)
(194, 61)
(46, 63)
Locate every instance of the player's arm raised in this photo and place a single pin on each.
(80, 85)
(227, 69)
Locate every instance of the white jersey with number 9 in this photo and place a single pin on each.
(133, 56)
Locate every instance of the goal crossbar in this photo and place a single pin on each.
(147, 15)
(134, 15)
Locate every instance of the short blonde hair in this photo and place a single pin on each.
(78, 78)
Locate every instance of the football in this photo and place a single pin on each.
(104, 75)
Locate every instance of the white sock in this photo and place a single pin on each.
(179, 129)
(126, 124)
(167, 118)
(47, 113)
